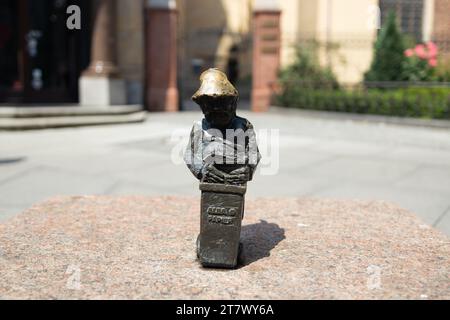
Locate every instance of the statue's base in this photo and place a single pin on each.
(222, 210)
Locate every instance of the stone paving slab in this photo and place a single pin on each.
(324, 156)
(138, 247)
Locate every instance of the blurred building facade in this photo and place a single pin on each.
(42, 61)
(40, 58)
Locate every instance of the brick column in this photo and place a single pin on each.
(161, 92)
(266, 52)
(100, 83)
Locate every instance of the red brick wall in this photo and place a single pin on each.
(161, 60)
(441, 26)
(266, 57)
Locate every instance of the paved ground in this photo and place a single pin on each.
(319, 157)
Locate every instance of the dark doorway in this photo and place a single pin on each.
(40, 58)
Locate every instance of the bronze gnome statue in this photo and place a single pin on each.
(222, 153)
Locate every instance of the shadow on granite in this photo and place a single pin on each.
(259, 239)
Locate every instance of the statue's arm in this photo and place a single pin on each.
(252, 150)
(193, 154)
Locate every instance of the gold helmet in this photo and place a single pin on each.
(215, 84)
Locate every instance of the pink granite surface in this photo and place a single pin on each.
(144, 248)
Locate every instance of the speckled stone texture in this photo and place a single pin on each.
(144, 248)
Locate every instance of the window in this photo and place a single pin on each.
(409, 14)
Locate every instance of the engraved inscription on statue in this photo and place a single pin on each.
(221, 220)
(222, 215)
(222, 211)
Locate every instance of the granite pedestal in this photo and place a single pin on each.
(101, 247)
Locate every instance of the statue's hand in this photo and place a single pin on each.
(214, 175)
(241, 170)
(240, 175)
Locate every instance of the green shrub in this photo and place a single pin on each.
(389, 58)
(443, 69)
(306, 70)
(402, 102)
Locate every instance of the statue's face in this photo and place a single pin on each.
(219, 113)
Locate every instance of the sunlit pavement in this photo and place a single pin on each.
(319, 157)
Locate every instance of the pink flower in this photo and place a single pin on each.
(420, 51)
(432, 62)
(409, 53)
(432, 49)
